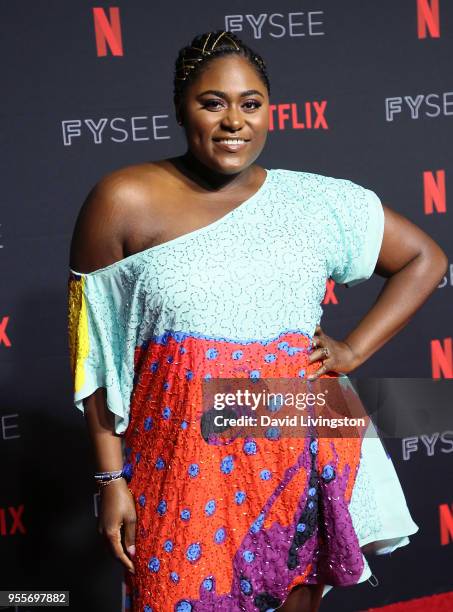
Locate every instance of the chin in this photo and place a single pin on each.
(232, 167)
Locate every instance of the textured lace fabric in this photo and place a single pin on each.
(234, 526)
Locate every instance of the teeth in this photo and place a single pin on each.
(232, 140)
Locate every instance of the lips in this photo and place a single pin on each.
(231, 144)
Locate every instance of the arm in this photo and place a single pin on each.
(96, 243)
(117, 505)
(100, 423)
(414, 265)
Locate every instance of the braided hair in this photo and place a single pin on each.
(206, 47)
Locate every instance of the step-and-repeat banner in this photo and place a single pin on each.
(360, 90)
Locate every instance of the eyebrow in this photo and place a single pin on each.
(222, 94)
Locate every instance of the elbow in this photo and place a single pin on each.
(441, 260)
(435, 261)
(445, 264)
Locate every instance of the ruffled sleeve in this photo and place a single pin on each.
(357, 233)
(97, 343)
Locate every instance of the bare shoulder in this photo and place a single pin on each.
(103, 219)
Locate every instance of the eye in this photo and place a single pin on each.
(254, 104)
(212, 104)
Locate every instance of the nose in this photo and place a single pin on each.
(233, 119)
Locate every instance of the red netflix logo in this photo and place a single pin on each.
(4, 340)
(434, 193)
(428, 23)
(309, 116)
(442, 358)
(329, 296)
(446, 523)
(11, 521)
(108, 31)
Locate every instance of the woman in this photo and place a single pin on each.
(208, 266)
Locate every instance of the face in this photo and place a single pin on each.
(225, 114)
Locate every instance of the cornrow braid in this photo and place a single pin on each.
(206, 47)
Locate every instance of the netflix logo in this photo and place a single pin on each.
(329, 296)
(107, 30)
(292, 116)
(11, 521)
(442, 358)
(434, 192)
(428, 22)
(4, 339)
(446, 524)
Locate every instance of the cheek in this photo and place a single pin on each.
(260, 122)
(199, 131)
(262, 125)
(261, 130)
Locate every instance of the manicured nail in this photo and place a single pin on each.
(131, 550)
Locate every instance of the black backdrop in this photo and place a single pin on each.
(384, 81)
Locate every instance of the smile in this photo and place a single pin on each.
(232, 140)
(231, 144)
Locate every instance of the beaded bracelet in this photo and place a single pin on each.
(104, 478)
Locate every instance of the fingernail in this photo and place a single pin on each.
(131, 550)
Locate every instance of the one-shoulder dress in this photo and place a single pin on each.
(235, 526)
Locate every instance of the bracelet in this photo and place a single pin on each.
(105, 478)
(104, 484)
(107, 475)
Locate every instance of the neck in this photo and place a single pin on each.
(207, 178)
